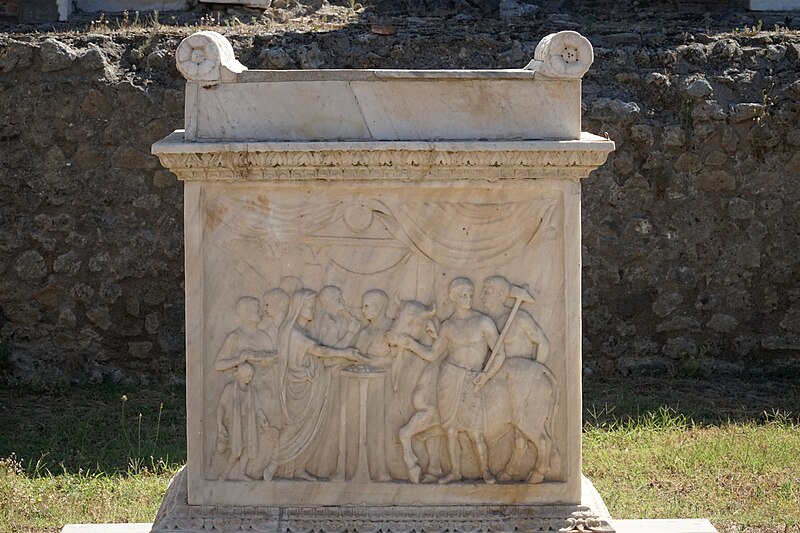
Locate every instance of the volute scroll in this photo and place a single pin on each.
(564, 55)
(207, 56)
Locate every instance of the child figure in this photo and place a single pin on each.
(247, 343)
(244, 434)
(245, 437)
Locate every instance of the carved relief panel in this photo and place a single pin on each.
(382, 295)
(380, 344)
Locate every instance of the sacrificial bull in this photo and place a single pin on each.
(522, 395)
(413, 382)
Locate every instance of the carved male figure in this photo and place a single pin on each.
(467, 337)
(244, 435)
(333, 325)
(519, 392)
(247, 343)
(239, 415)
(275, 303)
(524, 338)
(371, 341)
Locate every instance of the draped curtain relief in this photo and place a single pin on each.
(452, 234)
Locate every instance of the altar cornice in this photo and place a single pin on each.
(386, 160)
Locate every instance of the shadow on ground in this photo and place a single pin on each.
(120, 430)
(94, 429)
(706, 401)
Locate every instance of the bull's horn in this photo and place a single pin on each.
(397, 301)
(431, 311)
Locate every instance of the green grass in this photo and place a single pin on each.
(665, 465)
(91, 454)
(46, 500)
(93, 429)
(691, 449)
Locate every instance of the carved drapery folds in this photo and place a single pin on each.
(496, 231)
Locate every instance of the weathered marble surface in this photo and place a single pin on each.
(408, 241)
(589, 514)
(383, 294)
(541, 101)
(397, 108)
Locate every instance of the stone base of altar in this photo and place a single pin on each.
(176, 515)
(677, 525)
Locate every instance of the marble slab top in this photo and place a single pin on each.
(258, 76)
(225, 101)
(176, 143)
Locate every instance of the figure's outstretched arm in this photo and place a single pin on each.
(428, 353)
(259, 357)
(348, 354)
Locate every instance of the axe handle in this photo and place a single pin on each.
(502, 336)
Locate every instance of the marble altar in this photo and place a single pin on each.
(383, 319)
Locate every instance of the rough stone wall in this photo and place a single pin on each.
(8, 8)
(690, 232)
(91, 238)
(691, 242)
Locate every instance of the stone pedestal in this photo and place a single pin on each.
(383, 296)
